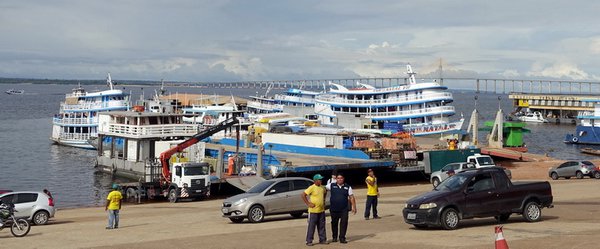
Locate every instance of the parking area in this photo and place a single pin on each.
(573, 223)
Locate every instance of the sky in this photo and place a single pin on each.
(197, 40)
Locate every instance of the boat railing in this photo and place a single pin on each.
(294, 99)
(76, 136)
(259, 105)
(429, 96)
(153, 130)
(75, 121)
(421, 111)
(93, 105)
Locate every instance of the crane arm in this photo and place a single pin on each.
(166, 155)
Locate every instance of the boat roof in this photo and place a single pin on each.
(300, 91)
(139, 114)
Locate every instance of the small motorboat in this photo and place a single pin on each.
(590, 151)
(13, 91)
(532, 117)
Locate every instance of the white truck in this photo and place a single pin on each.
(481, 161)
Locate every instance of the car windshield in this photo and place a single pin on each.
(485, 160)
(259, 188)
(452, 183)
(195, 171)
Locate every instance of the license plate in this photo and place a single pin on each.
(411, 216)
(224, 210)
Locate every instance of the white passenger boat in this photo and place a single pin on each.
(77, 121)
(14, 92)
(419, 108)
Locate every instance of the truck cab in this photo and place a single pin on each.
(481, 161)
(189, 180)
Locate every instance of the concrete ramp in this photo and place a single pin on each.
(244, 182)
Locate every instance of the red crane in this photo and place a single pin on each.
(166, 155)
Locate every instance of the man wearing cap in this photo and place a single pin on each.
(113, 205)
(316, 210)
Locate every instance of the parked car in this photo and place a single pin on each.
(577, 169)
(442, 174)
(275, 196)
(34, 206)
(479, 193)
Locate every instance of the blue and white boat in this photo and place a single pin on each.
(77, 122)
(419, 108)
(588, 129)
(297, 97)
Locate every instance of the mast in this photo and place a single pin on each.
(110, 82)
(411, 75)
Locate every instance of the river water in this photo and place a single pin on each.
(31, 162)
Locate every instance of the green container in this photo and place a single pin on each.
(436, 160)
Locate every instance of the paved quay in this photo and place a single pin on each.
(573, 223)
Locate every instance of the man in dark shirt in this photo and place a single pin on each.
(341, 194)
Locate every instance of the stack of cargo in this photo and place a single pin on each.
(364, 144)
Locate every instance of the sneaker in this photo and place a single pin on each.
(343, 241)
(309, 244)
(109, 228)
(334, 240)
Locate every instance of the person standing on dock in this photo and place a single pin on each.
(333, 179)
(113, 205)
(341, 194)
(372, 195)
(316, 210)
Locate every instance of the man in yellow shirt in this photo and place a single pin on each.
(372, 195)
(113, 205)
(316, 210)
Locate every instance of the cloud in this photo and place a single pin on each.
(510, 73)
(246, 67)
(561, 70)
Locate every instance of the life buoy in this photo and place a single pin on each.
(575, 139)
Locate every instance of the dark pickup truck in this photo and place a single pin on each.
(478, 193)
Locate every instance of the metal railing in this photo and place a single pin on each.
(294, 99)
(330, 98)
(422, 111)
(75, 121)
(153, 130)
(94, 105)
(258, 105)
(76, 136)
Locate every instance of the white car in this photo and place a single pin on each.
(31, 205)
(441, 175)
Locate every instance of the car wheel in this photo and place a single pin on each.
(173, 195)
(579, 175)
(435, 182)
(450, 219)
(597, 174)
(236, 219)
(297, 214)
(502, 218)
(256, 214)
(554, 176)
(419, 226)
(532, 212)
(41, 218)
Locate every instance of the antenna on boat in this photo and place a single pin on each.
(411, 75)
(269, 89)
(109, 82)
(162, 90)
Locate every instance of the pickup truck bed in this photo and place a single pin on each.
(484, 192)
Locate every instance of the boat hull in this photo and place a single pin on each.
(74, 143)
(584, 135)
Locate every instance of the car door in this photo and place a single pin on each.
(444, 172)
(25, 203)
(480, 196)
(278, 198)
(571, 168)
(297, 204)
(561, 169)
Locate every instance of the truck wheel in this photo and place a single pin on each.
(532, 212)
(236, 219)
(449, 219)
(554, 176)
(579, 175)
(256, 214)
(296, 214)
(502, 218)
(173, 195)
(435, 182)
(597, 174)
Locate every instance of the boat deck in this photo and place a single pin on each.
(304, 163)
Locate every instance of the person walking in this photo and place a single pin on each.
(341, 194)
(113, 205)
(316, 210)
(372, 195)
